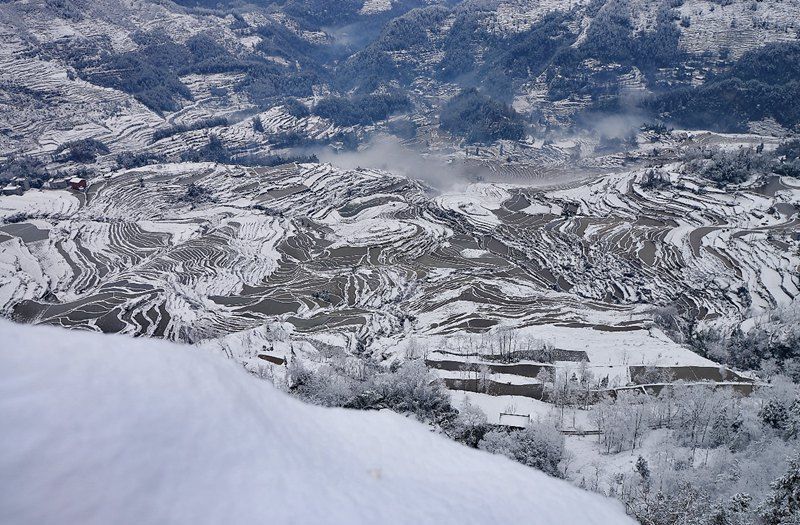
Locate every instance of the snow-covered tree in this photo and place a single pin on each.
(623, 422)
(782, 507)
(564, 389)
(470, 425)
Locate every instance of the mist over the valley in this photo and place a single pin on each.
(388, 153)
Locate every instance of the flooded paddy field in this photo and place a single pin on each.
(364, 260)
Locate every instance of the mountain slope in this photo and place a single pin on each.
(118, 71)
(102, 429)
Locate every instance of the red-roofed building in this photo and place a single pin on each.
(77, 183)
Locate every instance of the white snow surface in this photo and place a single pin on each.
(109, 429)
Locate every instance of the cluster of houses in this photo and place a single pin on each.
(72, 183)
(16, 186)
(20, 185)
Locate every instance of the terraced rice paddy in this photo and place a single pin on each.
(369, 262)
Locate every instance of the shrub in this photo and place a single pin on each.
(295, 108)
(15, 218)
(412, 389)
(85, 150)
(540, 446)
(788, 155)
(782, 507)
(470, 426)
(213, 151)
(130, 160)
(655, 179)
(65, 9)
(789, 150)
(196, 194)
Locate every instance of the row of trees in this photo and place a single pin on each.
(130, 159)
(176, 129)
(502, 345)
(215, 150)
(726, 167)
(84, 150)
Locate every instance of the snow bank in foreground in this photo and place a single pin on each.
(102, 429)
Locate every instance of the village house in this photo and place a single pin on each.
(514, 420)
(23, 182)
(13, 189)
(56, 184)
(78, 183)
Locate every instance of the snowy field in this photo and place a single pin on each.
(105, 429)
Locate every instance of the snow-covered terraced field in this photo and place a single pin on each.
(739, 26)
(44, 101)
(45, 108)
(367, 262)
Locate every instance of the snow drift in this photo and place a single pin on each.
(107, 429)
